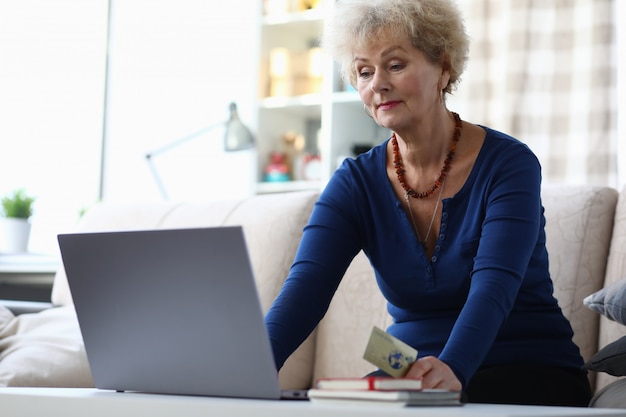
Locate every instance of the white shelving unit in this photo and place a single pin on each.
(332, 120)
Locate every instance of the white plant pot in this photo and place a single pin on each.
(14, 235)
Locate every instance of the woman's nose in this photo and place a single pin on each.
(379, 82)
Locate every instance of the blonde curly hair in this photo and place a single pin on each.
(435, 27)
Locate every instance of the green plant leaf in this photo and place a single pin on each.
(18, 205)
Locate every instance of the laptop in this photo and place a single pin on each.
(171, 312)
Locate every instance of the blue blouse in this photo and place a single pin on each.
(485, 296)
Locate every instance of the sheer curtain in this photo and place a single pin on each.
(546, 73)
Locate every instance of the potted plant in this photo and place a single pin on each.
(17, 208)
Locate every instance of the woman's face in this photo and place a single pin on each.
(397, 83)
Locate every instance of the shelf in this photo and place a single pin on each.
(29, 263)
(287, 186)
(312, 17)
(308, 106)
(346, 97)
(279, 30)
(331, 121)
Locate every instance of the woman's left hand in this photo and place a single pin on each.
(434, 374)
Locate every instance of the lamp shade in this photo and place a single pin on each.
(237, 136)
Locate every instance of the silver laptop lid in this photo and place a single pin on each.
(170, 311)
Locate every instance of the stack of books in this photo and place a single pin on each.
(381, 390)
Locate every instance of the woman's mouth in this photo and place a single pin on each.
(387, 105)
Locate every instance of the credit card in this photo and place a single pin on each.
(389, 353)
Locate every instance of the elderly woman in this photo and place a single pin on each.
(449, 214)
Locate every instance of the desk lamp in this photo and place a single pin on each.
(237, 137)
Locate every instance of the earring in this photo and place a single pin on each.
(367, 112)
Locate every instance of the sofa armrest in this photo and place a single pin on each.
(18, 307)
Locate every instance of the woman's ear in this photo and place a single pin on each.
(444, 78)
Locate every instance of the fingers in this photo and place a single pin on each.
(434, 374)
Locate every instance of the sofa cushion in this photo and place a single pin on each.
(272, 225)
(610, 330)
(610, 359)
(342, 335)
(42, 350)
(579, 223)
(108, 217)
(610, 301)
(612, 395)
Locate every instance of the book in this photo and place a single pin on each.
(399, 398)
(369, 383)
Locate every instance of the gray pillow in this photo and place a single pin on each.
(610, 359)
(610, 301)
(611, 396)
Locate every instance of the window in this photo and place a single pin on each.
(51, 102)
(174, 67)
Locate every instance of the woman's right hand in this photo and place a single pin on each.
(434, 374)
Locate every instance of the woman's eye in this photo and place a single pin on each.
(364, 74)
(396, 67)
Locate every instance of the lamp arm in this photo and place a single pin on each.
(183, 140)
(167, 147)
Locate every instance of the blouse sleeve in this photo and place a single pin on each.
(328, 245)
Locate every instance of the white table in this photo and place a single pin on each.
(29, 263)
(27, 276)
(81, 402)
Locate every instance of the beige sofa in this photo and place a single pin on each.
(586, 229)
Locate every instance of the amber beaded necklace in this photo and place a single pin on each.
(399, 165)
